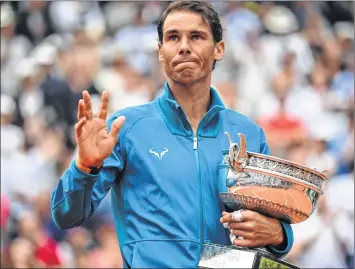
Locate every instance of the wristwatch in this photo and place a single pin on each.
(89, 170)
(95, 170)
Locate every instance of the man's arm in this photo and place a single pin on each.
(284, 248)
(78, 193)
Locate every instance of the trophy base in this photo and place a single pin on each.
(219, 256)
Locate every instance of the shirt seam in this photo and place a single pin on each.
(65, 196)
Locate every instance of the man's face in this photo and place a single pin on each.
(188, 49)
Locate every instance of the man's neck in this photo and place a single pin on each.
(193, 99)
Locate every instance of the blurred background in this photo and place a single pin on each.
(288, 65)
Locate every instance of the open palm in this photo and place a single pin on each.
(95, 143)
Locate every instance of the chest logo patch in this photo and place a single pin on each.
(159, 152)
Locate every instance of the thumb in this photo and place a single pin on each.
(116, 126)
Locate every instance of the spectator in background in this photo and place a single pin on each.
(326, 239)
(14, 48)
(344, 32)
(53, 87)
(12, 136)
(107, 254)
(340, 199)
(282, 128)
(228, 93)
(283, 36)
(316, 241)
(249, 61)
(125, 84)
(30, 98)
(342, 85)
(34, 21)
(46, 249)
(240, 21)
(342, 145)
(319, 156)
(22, 255)
(138, 40)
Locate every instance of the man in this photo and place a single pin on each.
(160, 159)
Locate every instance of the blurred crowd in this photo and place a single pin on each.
(288, 65)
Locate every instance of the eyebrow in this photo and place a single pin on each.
(171, 31)
(194, 32)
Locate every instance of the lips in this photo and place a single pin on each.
(183, 61)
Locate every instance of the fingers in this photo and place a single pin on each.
(245, 226)
(241, 233)
(81, 109)
(116, 126)
(251, 215)
(232, 217)
(85, 106)
(244, 243)
(79, 126)
(226, 217)
(245, 214)
(103, 106)
(88, 105)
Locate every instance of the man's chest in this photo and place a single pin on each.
(176, 159)
(157, 157)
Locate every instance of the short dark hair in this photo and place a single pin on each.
(203, 8)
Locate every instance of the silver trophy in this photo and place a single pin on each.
(271, 186)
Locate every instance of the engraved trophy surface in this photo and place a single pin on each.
(269, 185)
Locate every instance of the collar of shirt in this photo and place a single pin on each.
(177, 122)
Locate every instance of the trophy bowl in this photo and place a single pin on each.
(269, 185)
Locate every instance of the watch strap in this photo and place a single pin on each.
(89, 170)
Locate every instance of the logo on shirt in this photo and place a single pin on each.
(159, 152)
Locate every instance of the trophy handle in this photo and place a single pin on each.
(325, 172)
(242, 155)
(237, 155)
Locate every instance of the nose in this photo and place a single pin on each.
(184, 47)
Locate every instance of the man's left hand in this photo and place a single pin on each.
(253, 229)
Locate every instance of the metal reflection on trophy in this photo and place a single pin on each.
(269, 185)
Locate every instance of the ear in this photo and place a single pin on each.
(219, 50)
(160, 49)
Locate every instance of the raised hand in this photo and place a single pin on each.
(94, 141)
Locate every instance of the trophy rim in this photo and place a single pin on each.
(284, 177)
(270, 157)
